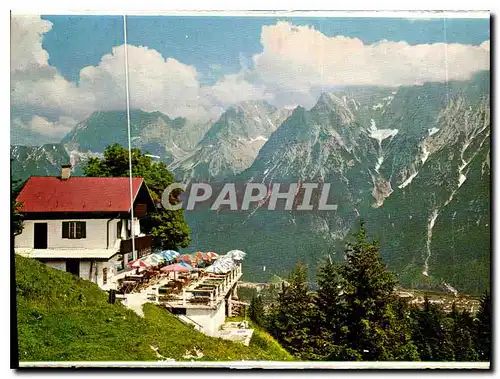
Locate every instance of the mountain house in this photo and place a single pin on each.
(82, 225)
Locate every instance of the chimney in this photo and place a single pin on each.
(65, 171)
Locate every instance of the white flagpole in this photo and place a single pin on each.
(132, 224)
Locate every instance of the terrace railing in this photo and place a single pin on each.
(212, 289)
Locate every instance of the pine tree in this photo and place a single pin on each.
(431, 333)
(372, 326)
(17, 224)
(483, 329)
(331, 310)
(256, 311)
(292, 321)
(462, 335)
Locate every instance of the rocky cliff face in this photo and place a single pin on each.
(232, 143)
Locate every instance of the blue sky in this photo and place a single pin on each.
(78, 41)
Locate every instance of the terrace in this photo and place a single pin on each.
(200, 291)
(195, 289)
(205, 290)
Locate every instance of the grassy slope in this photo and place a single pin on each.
(262, 339)
(62, 317)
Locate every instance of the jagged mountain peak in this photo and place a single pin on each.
(233, 142)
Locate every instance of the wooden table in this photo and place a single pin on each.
(135, 276)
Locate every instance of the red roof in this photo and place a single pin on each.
(77, 194)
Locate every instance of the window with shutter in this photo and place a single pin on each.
(74, 229)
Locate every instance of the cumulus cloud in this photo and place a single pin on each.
(33, 81)
(297, 59)
(155, 83)
(53, 130)
(235, 88)
(26, 43)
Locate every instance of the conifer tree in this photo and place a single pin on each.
(372, 327)
(168, 227)
(331, 310)
(292, 321)
(462, 335)
(483, 329)
(256, 310)
(430, 333)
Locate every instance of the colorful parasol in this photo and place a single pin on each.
(237, 255)
(153, 260)
(177, 267)
(169, 255)
(137, 263)
(212, 255)
(222, 266)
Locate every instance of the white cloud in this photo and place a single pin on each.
(33, 81)
(54, 130)
(297, 59)
(26, 42)
(155, 83)
(235, 88)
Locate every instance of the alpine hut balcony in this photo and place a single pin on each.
(143, 245)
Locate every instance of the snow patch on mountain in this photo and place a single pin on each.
(461, 180)
(381, 134)
(258, 138)
(430, 226)
(432, 131)
(451, 289)
(425, 155)
(408, 180)
(380, 160)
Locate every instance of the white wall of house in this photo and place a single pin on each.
(60, 265)
(95, 234)
(85, 271)
(85, 267)
(111, 272)
(210, 319)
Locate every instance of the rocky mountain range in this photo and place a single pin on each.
(154, 132)
(232, 143)
(413, 162)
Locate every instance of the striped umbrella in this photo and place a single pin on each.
(153, 260)
(200, 255)
(177, 267)
(212, 255)
(187, 258)
(184, 258)
(237, 255)
(222, 266)
(137, 263)
(169, 255)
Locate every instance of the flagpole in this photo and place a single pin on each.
(132, 224)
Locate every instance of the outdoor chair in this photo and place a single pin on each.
(200, 300)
